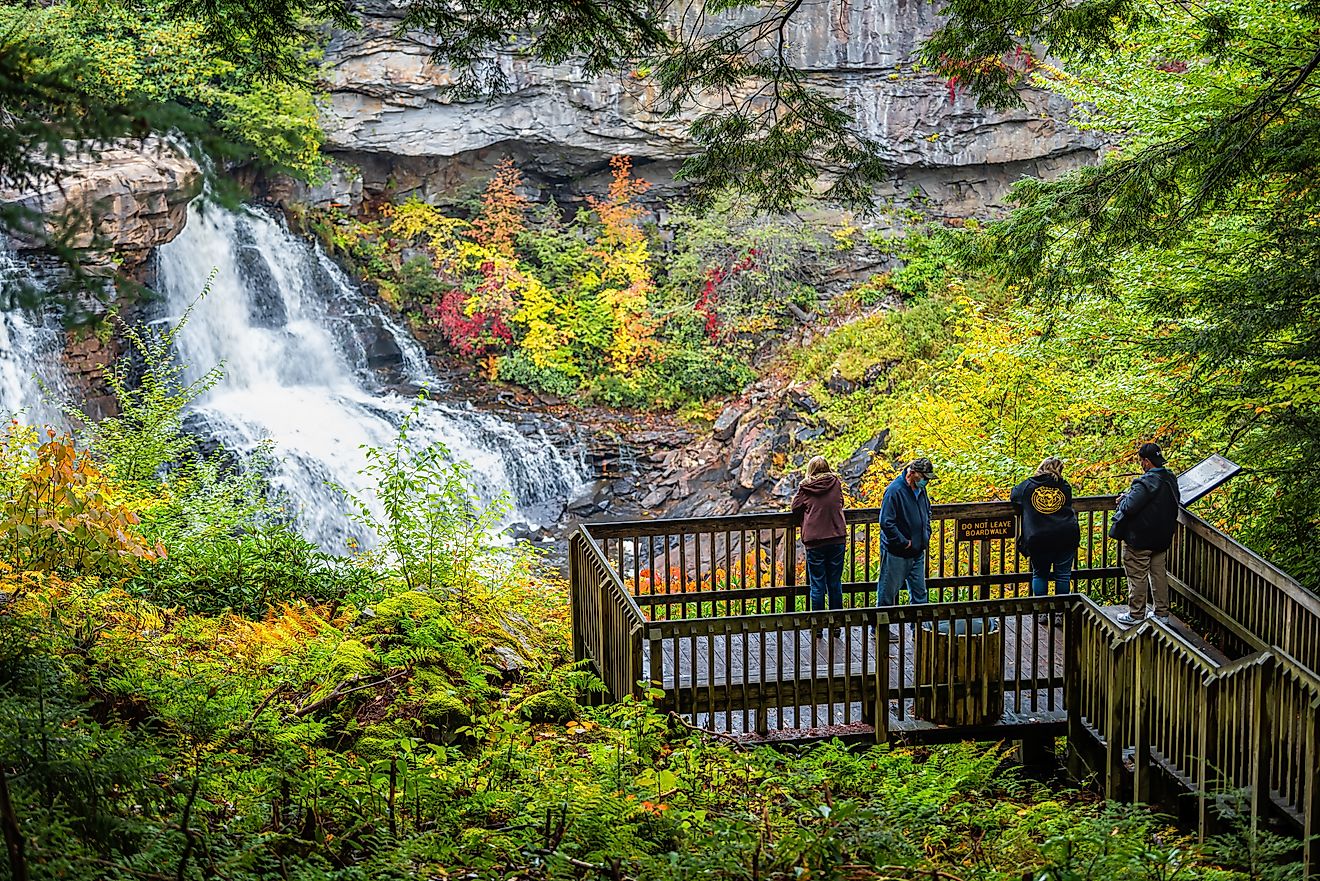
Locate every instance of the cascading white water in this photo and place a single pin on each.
(32, 379)
(316, 367)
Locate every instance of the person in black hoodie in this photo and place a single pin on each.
(820, 502)
(1049, 535)
(1144, 521)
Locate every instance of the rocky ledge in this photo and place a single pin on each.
(389, 114)
(116, 201)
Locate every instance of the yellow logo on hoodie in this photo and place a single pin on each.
(1047, 499)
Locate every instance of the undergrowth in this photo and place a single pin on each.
(185, 695)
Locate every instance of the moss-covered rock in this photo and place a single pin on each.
(548, 706)
(372, 748)
(352, 657)
(411, 604)
(445, 712)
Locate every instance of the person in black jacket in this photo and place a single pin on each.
(1146, 516)
(1049, 533)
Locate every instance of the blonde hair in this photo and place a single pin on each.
(818, 465)
(1052, 466)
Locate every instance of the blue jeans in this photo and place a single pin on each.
(825, 575)
(1040, 574)
(895, 572)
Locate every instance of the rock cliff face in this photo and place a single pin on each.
(127, 199)
(388, 116)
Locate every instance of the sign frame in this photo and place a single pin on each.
(986, 528)
(1205, 476)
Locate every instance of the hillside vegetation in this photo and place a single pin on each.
(189, 691)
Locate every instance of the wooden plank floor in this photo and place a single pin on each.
(1030, 650)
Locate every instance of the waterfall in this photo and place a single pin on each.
(316, 367)
(31, 342)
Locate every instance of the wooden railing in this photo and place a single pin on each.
(715, 612)
(745, 674)
(1147, 695)
(752, 565)
(1239, 599)
(607, 624)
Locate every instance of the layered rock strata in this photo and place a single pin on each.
(388, 114)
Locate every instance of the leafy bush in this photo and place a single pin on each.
(438, 534)
(517, 367)
(144, 51)
(63, 515)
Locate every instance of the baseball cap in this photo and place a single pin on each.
(923, 466)
(1151, 452)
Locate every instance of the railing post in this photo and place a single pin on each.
(881, 631)
(1113, 734)
(1311, 803)
(635, 661)
(657, 672)
(1072, 671)
(1260, 775)
(1208, 705)
(984, 569)
(790, 557)
(1141, 680)
(574, 598)
(606, 660)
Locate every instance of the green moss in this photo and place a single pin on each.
(444, 712)
(548, 706)
(353, 658)
(411, 604)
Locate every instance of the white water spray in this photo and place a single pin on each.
(32, 378)
(316, 367)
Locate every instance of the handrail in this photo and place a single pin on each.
(1176, 643)
(1281, 579)
(1233, 668)
(662, 525)
(630, 605)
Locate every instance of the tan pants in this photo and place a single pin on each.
(1145, 572)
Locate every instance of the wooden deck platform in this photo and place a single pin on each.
(713, 610)
(1033, 654)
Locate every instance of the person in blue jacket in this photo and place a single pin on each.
(905, 534)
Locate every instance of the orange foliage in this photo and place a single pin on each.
(625, 274)
(62, 516)
(503, 210)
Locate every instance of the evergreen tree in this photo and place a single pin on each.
(1205, 211)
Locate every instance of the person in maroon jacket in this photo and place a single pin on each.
(820, 502)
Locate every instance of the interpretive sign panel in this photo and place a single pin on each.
(986, 528)
(1204, 476)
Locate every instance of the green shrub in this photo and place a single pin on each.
(517, 367)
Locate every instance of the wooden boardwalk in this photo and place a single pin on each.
(1031, 649)
(711, 610)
